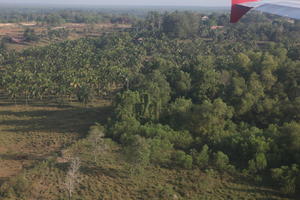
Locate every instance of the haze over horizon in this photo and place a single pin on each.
(214, 3)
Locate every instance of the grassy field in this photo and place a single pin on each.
(35, 140)
(31, 133)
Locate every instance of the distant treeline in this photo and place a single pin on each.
(58, 16)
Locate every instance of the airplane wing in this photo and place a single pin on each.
(286, 8)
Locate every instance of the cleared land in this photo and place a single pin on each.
(31, 133)
(76, 31)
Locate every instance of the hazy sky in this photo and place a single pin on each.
(127, 2)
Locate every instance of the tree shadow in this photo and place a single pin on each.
(71, 119)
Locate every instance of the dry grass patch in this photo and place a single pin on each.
(30, 134)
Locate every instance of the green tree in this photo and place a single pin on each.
(221, 161)
(258, 164)
(181, 159)
(202, 158)
(286, 178)
(161, 151)
(209, 120)
(85, 94)
(29, 35)
(137, 152)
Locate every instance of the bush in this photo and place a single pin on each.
(30, 35)
(130, 126)
(221, 162)
(286, 178)
(160, 151)
(202, 159)
(85, 94)
(183, 160)
(17, 187)
(137, 153)
(257, 164)
(180, 139)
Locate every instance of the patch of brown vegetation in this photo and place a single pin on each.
(30, 134)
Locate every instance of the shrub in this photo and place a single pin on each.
(202, 159)
(286, 178)
(181, 159)
(16, 187)
(160, 151)
(257, 164)
(180, 139)
(30, 35)
(137, 152)
(221, 162)
(85, 94)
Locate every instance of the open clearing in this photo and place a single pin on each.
(16, 29)
(76, 31)
(31, 133)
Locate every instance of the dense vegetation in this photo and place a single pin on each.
(188, 96)
(59, 16)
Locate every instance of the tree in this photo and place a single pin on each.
(205, 79)
(29, 35)
(180, 82)
(290, 137)
(96, 137)
(85, 94)
(181, 159)
(137, 153)
(180, 24)
(72, 177)
(161, 150)
(202, 158)
(178, 113)
(209, 120)
(221, 161)
(258, 164)
(286, 178)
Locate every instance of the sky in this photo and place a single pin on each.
(126, 2)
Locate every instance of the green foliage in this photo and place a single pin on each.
(202, 158)
(180, 139)
(221, 162)
(181, 159)
(178, 113)
(257, 164)
(180, 25)
(29, 35)
(85, 94)
(290, 132)
(209, 120)
(137, 153)
(161, 151)
(60, 33)
(286, 178)
(206, 79)
(180, 82)
(122, 129)
(17, 187)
